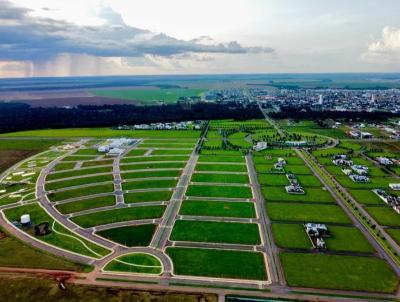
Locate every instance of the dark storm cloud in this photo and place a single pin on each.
(23, 37)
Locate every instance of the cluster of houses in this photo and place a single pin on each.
(357, 173)
(260, 146)
(116, 146)
(163, 126)
(391, 200)
(360, 134)
(294, 187)
(317, 232)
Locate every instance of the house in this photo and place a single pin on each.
(355, 134)
(115, 151)
(391, 200)
(260, 146)
(103, 148)
(395, 187)
(360, 169)
(366, 135)
(296, 143)
(342, 162)
(359, 178)
(384, 161)
(316, 233)
(293, 189)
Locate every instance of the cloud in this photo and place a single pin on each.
(386, 49)
(29, 38)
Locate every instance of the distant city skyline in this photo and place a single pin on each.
(116, 37)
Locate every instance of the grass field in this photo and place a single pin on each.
(91, 203)
(154, 158)
(147, 196)
(306, 212)
(311, 195)
(146, 166)
(385, 215)
(118, 215)
(338, 272)
(87, 191)
(64, 166)
(147, 184)
(218, 263)
(93, 163)
(172, 152)
(219, 191)
(218, 208)
(77, 182)
(220, 178)
(218, 232)
(395, 234)
(218, 159)
(137, 152)
(138, 235)
(79, 172)
(221, 167)
(135, 263)
(87, 152)
(366, 197)
(145, 174)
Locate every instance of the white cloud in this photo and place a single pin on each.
(386, 49)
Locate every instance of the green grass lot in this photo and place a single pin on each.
(298, 169)
(395, 234)
(311, 127)
(306, 212)
(218, 263)
(273, 180)
(311, 195)
(384, 215)
(375, 182)
(172, 152)
(86, 191)
(218, 232)
(232, 124)
(218, 208)
(27, 144)
(221, 152)
(338, 272)
(86, 204)
(366, 197)
(104, 132)
(135, 263)
(146, 184)
(290, 236)
(87, 152)
(167, 144)
(219, 191)
(103, 162)
(133, 235)
(220, 178)
(64, 166)
(15, 253)
(154, 158)
(147, 196)
(212, 143)
(137, 152)
(309, 181)
(217, 159)
(77, 182)
(145, 174)
(118, 215)
(79, 172)
(152, 166)
(149, 96)
(62, 239)
(78, 158)
(221, 167)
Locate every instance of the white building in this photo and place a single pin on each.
(115, 151)
(103, 149)
(395, 187)
(384, 161)
(260, 146)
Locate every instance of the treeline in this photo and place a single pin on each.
(18, 116)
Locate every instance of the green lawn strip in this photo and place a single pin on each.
(338, 272)
(309, 181)
(218, 208)
(375, 182)
(366, 196)
(146, 166)
(395, 234)
(93, 163)
(171, 152)
(127, 160)
(64, 166)
(77, 182)
(87, 152)
(79, 172)
(298, 169)
(384, 215)
(133, 235)
(290, 236)
(119, 215)
(220, 178)
(87, 191)
(167, 145)
(39, 215)
(220, 152)
(218, 263)
(218, 159)
(348, 239)
(137, 152)
(220, 167)
(145, 174)
(311, 195)
(306, 213)
(147, 184)
(219, 191)
(78, 158)
(135, 263)
(90, 203)
(147, 196)
(218, 232)
(273, 180)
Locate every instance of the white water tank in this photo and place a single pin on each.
(25, 219)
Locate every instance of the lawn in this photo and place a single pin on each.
(139, 263)
(375, 182)
(75, 158)
(309, 181)
(146, 166)
(218, 208)
(384, 215)
(338, 272)
(137, 152)
(93, 163)
(298, 169)
(147, 196)
(87, 152)
(395, 234)
(218, 263)
(146, 174)
(221, 167)
(218, 232)
(77, 182)
(366, 196)
(118, 215)
(133, 235)
(64, 166)
(349, 239)
(172, 152)
(217, 159)
(86, 191)
(306, 213)
(311, 195)
(290, 236)
(90, 203)
(273, 180)
(147, 184)
(220, 178)
(219, 191)
(154, 158)
(79, 172)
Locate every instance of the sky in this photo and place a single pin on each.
(136, 37)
